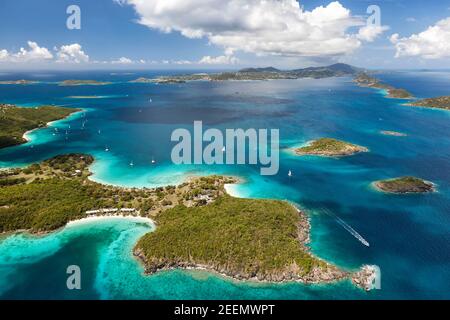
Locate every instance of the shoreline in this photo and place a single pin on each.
(361, 278)
(99, 218)
(79, 222)
(374, 186)
(26, 135)
(325, 272)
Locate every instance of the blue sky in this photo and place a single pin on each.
(112, 37)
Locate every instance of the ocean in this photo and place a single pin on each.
(409, 235)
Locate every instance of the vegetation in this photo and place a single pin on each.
(198, 224)
(330, 147)
(44, 197)
(405, 185)
(242, 238)
(439, 103)
(364, 80)
(15, 121)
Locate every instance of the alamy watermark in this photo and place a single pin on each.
(73, 22)
(74, 280)
(235, 146)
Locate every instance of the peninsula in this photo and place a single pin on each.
(245, 239)
(437, 103)
(268, 73)
(198, 224)
(405, 185)
(365, 80)
(329, 147)
(16, 121)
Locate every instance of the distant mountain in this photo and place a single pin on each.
(340, 68)
(334, 70)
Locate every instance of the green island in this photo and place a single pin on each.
(329, 147)
(437, 103)
(405, 185)
(16, 121)
(365, 80)
(268, 73)
(83, 83)
(22, 81)
(393, 133)
(198, 224)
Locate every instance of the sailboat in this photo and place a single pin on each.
(107, 149)
(153, 161)
(290, 174)
(223, 149)
(131, 164)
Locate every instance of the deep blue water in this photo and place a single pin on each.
(409, 235)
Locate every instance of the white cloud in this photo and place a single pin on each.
(4, 55)
(264, 27)
(181, 62)
(227, 59)
(411, 19)
(72, 53)
(32, 54)
(123, 60)
(370, 32)
(433, 43)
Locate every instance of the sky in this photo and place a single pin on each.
(224, 34)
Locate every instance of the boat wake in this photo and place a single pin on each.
(347, 227)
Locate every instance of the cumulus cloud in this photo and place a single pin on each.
(122, 60)
(264, 27)
(33, 53)
(433, 43)
(370, 32)
(71, 53)
(4, 55)
(226, 59)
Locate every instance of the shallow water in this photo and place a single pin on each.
(408, 234)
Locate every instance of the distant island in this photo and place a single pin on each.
(365, 80)
(16, 121)
(83, 83)
(198, 224)
(438, 103)
(269, 73)
(329, 147)
(393, 133)
(158, 80)
(405, 185)
(18, 82)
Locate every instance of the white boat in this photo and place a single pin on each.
(131, 164)
(224, 149)
(107, 149)
(290, 173)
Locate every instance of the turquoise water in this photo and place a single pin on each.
(409, 235)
